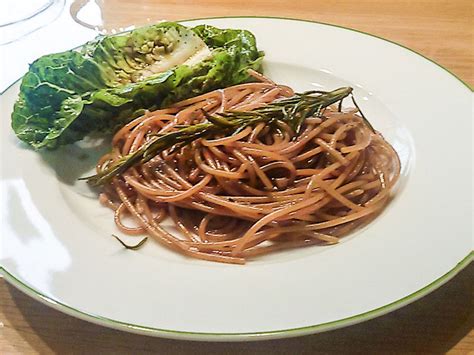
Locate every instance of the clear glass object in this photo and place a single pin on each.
(112, 16)
(21, 17)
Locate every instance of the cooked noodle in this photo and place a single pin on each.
(254, 192)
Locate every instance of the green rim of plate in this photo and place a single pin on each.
(311, 21)
(262, 335)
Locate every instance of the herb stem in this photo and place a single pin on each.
(131, 247)
(293, 110)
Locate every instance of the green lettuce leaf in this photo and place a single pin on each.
(66, 96)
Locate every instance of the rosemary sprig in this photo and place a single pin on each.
(131, 247)
(293, 110)
(362, 114)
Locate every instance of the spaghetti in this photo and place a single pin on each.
(262, 189)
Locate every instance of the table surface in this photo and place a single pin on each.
(440, 322)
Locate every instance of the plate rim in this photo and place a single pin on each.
(263, 335)
(260, 335)
(299, 20)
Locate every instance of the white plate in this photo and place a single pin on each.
(56, 243)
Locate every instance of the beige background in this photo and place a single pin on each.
(441, 322)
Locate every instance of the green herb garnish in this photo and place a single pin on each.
(293, 111)
(131, 247)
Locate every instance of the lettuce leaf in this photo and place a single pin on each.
(66, 96)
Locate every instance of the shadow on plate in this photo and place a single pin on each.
(76, 160)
